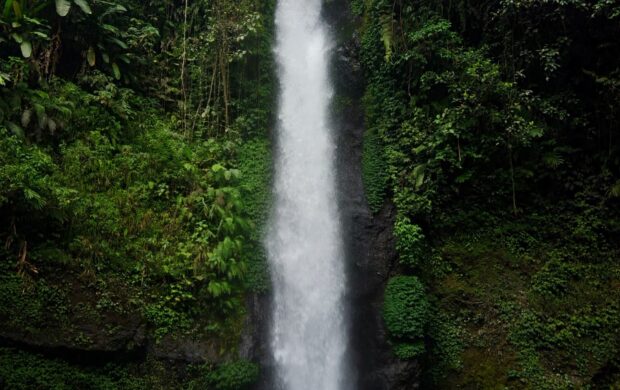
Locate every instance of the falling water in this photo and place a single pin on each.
(304, 243)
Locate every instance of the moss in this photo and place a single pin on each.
(255, 165)
(531, 312)
(374, 170)
(483, 370)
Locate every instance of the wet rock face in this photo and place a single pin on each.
(369, 242)
(371, 257)
(187, 349)
(76, 324)
(254, 343)
(114, 335)
(63, 311)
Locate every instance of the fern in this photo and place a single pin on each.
(614, 191)
(553, 159)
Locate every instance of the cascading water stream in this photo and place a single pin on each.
(304, 243)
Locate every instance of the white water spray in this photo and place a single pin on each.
(304, 243)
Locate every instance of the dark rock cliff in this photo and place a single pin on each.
(255, 338)
(369, 243)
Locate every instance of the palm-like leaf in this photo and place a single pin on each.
(84, 6)
(63, 7)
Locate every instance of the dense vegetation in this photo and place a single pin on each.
(134, 164)
(134, 184)
(493, 129)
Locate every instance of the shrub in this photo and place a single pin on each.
(406, 312)
(409, 350)
(410, 242)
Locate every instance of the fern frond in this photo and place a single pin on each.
(553, 159)
(614, 191)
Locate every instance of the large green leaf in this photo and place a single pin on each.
(117, 8)
(26, 48)
(26, 117)
(4, 77)
(63, 7)
(120, 43)
(15, 129)
(614, 191)
(117, 71)
(418, 175)
(84, 6)
(40, 34)
(90, 56)
(17, 37)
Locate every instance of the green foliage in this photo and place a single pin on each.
(229, 38)
(462, 116)
(447, 346)
(24, 173)
(489, 116)
(30, 22)
(237, 375)
(30, 112)
(166, 320)
(554, 277)
(373, 171)
(409, 350)
(29, 306)
(410, 243)
(255, 163)
(27, 370)
(151, 207)
(22, 26)
(406, 313)
(120, 199)
(532, 302)
(234, 376)
(21, 370)
(357, 7)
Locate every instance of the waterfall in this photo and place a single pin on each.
(304, 242)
